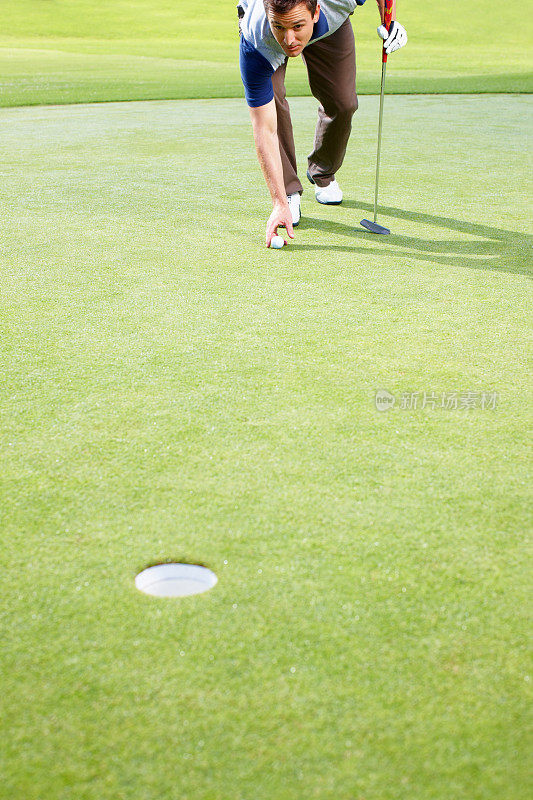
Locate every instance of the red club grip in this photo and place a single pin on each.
(388, 20)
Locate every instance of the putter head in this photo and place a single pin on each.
(373, 227)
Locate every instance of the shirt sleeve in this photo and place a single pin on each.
(256, 74)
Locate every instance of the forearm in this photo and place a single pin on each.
(267, 148)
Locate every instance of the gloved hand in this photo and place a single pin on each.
(394, 38)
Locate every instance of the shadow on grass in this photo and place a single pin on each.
(494, 248)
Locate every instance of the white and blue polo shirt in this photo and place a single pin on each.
(261, 55)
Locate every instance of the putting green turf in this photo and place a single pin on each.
(71, 51)
(173, 390)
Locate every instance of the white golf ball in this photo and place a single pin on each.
(277, 242)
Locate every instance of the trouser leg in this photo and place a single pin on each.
(330, 66)
(285, 134)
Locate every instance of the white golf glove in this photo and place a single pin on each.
(394, 38)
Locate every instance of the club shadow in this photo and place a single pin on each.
(493, 249)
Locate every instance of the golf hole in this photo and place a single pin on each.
(175, 580)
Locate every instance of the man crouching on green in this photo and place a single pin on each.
(272, 31)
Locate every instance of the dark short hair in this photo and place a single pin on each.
(284, 6)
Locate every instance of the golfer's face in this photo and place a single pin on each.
(294, 29)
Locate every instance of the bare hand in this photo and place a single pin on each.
(281, 215)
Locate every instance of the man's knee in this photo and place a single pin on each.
(342, 108)
(348, 107)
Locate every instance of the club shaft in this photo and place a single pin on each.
(381, 99)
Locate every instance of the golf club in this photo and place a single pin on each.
(373, 227)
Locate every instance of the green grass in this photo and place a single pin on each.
(174, 390)
(72, 51)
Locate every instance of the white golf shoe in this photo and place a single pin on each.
(330, 195)
(294, 205)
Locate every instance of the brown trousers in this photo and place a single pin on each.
(330, 66)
